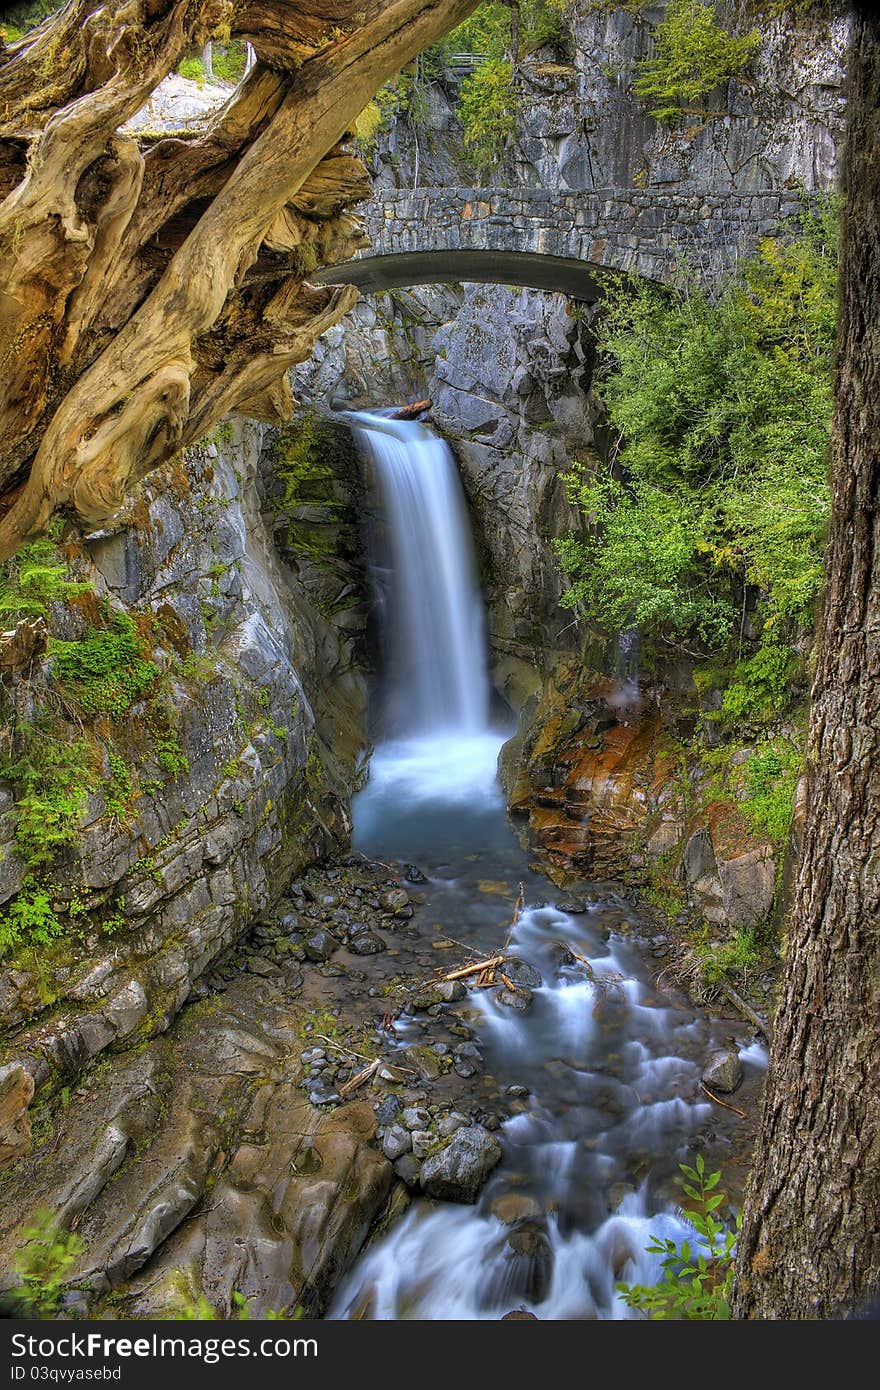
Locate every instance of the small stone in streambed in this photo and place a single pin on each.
(723, 1072)
(519, 1315)
(465, 1070)
(511, 1207)
(397, 1142)
(259, 965)
(450, 1124)
(450, 991)
(320, 945)
(424, 1061)
(457, 1172)
(516, 1092)
(330, 970)
(414, 1117)
(408, 1169)
(388, 1109)
(572, 906)
(522, 972)
(519, 999)
(395, 1075)
(559, 954)
(413, 874)
(367, 944)
(422, 1140)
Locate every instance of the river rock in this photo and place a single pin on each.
(415, 1118)
(450, 991)
(367, 943)
(394, 899)
(519, 999)
(528, 1262)
(520, 1315)
(422, 1141)
(457, 1172)
(512, 1207)
(522, 972)
(408, 1169)
(320, 945)
(16, 1092)
(723, 1071)
(388, 1109)
(413, 874)
(397, 1142)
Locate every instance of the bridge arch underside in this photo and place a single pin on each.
(566, 275)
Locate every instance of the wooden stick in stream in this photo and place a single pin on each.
(717, 1100)
(359, 1078)
(517, 908)
(478, 967)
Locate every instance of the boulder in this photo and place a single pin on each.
(457, 1172)
(723, 1072)
(522, 972)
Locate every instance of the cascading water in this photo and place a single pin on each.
(603, 1070)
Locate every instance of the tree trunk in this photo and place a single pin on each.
(149, 287)
(810, 1245)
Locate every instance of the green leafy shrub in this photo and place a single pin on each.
(770, 786)
(43, 1263)
(229, 62)
(697, 1275)
(761, 685)
(487, 109)
(106, 671)
(721, 408)
(52, 777)
(193, 69)
(28, 920)
(693, 55)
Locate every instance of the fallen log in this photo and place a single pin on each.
(411, 412)
(477, 968)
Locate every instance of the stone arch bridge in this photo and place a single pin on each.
(558, 241)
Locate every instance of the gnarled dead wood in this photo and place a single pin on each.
(148, 288)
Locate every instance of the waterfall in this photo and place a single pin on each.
(436, 675)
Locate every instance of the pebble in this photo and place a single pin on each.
(422, 1140)
(397, 1142)
(416, 1118)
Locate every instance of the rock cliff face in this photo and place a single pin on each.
(233, 771)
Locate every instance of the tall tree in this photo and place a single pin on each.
(149, 286)
(810, 1245)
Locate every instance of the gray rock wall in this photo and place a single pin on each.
(266, 710)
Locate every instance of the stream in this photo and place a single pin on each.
(602, 1068)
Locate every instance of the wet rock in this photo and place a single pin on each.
(413, 874)
(512, 1207)
(457, 1172)
(520, 1315)
(425, 1061)
(409, 1170)
(559, 955)
(388, 1109)
(414, 1117)
(259, 965)
(449, 991)
(522, 972)
(516, 1092)
(451, 1123)
(723, 1072)
(320, 945)
(519, 999)
(529, 1262)
(422, 1141)
(16, 1092)
(394, 900)
(572, 906)
(367, 944)
(397, 1142)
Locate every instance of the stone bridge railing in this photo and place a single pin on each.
(656, 233)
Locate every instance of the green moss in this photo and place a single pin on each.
(107, 670)
(52, 776)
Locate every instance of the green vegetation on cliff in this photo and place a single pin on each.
(694, 54)
(709, 515)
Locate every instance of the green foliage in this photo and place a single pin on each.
(229, 62)
(35, 577)
(731, 957)
(487, 110)
(192, 68)
(43, 1263)
(722, 412)
(693, 55)
(106, 671)
(29, 920)
(119, 788)
(52, 777)
(770, 785)
(697, 1275)
(761, 685)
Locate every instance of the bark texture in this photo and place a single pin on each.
(148, 288)
(810, 1245)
